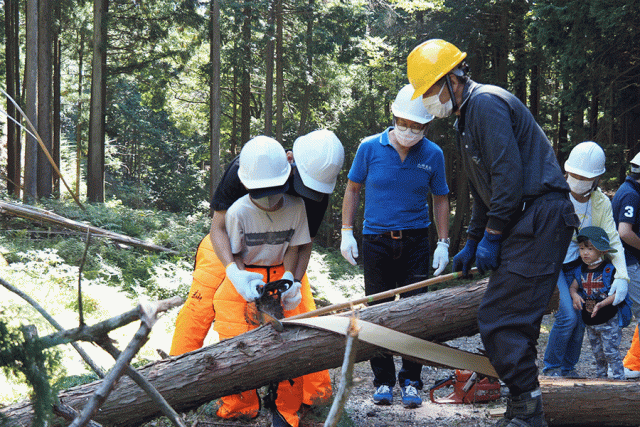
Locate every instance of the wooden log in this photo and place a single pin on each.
(263, 356)
(590, 402)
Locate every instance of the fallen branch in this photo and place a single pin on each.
(145, 385)
(346, 376)
(29, 212)
(98, 331)
(55, 324)
(122, 363)
(69, 414)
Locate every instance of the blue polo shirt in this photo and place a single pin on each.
(397, 193)
(626, 208)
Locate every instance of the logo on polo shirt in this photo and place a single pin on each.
(424, 166)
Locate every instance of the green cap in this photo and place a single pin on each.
(598, 238)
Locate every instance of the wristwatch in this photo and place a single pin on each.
(445, 240)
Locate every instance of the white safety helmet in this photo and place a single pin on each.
(407, 109)
(635, 164)
(586, 159)
(318, 156)
(263, 164)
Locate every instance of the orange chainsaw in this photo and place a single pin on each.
(468, 387)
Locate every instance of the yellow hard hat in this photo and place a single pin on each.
(429, 62)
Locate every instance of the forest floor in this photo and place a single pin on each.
(359, 409)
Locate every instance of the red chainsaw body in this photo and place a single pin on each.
(468, 388)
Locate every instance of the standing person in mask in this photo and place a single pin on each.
(522, 220)
(584, 167)
(399, 168)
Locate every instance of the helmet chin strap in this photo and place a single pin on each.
(454, 101)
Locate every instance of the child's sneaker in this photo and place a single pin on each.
(383, 395)
(410, 395)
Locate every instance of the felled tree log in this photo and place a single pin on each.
(263, 356)
(590, 402)
(35, 214)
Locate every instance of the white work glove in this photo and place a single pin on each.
(440, 257)
(291, 297)
(245, 282)
(349, 246)
(619, 286)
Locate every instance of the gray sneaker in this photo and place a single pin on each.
(383, 395)
(410, 395)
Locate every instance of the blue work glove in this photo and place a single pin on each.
(465, 258)
(620, 288)
(488, 253)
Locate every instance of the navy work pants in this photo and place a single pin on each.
(388, 264)
(520, 289)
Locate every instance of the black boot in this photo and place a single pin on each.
(524, 410)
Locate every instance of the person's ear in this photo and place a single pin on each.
(290, 156)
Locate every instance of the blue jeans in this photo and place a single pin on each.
(565, 339)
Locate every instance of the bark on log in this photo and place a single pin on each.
(263, 356)
(590, 402)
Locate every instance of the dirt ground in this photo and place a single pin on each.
(362, 412)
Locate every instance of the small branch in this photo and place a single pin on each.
(346, 375)
(98, 331)
(142, 382)
(55, 324)
(68, 413)
(122, 363)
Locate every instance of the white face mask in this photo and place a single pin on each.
(406, 138)
(434, 107)
(268, 202)
(579, 187)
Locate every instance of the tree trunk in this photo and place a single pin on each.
(534, 88)
(304, 107)
(279, 71)
(517, 11)
(44, 125)
(462, 207)
(234, 126)
(57, 57)
(590, 402)
(31, 102)
(245, 84)
(79, 119)
(12, 78)
(269, 52)
(95, 158)
(594, 111)
(258, 357)
(215, 109)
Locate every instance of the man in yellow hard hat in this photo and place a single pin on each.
(522, 220)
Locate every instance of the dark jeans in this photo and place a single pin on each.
(520, 289)
(389, 264)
